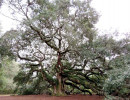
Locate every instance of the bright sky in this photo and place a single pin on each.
(115, 16)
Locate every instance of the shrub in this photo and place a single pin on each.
(118, 83)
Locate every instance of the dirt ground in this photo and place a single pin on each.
(46, 97)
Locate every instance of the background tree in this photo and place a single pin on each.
(118, 80)
(8, 70)
(8, 65)
(1, 1)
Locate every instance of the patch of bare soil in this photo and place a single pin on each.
(46, 97)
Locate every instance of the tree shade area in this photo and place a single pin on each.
(60, 52)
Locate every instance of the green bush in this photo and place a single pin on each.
(116, 84)
(9, 68)
(25, 86)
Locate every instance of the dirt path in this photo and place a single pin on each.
(45, 97)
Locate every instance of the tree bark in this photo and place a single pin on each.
(59, 77)
(59, 88)
(54, 90)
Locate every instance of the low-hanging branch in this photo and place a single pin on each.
(77, 87)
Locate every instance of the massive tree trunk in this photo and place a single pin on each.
(59, 77)
(59, 87)
(54, 89)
